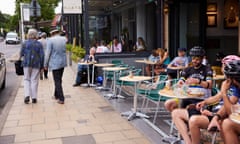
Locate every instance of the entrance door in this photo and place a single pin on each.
(187, 25)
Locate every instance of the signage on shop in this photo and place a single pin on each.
(72, 6)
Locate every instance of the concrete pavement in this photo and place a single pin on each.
(85, 118)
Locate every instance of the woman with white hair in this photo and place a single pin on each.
(33, 62)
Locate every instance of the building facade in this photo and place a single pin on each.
(170, 24)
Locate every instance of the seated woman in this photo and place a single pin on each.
(140, 45)
(163, 62)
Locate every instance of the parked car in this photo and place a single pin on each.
(2, 71)
(12, 38)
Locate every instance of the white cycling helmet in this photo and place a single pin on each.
(230, 58)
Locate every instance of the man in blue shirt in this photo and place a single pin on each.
(230, 130)
(56, 60)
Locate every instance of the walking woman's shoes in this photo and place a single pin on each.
(27, 99)
(34, 100)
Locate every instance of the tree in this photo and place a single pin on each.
(47, 12)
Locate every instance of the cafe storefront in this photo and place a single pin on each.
(170, 24)
(212, 24)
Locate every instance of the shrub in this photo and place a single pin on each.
(77, 52)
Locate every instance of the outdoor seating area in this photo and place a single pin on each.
(137, 96)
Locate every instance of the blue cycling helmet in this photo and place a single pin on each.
(100, 80)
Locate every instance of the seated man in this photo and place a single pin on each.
(207, 109)
(180, 61)
(230, 130)
(154, 57)
(88, 58)
(196, 75)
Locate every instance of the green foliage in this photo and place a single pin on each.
(77, 52)
(47, 13)
(69, 47)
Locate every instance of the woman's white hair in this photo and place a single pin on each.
(32, 34)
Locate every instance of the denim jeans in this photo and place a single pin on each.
(80, 69)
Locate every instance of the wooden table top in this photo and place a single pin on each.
(145, 61)
(170, 93)
(219, 77)
(114, 68)
(135, 78)
(103, 64)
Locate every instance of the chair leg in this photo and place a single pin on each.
(214, 137)
(171, 128)
(156, 111)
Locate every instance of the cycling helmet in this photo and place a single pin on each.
(232, 69)
(197, 51)
(230, 58)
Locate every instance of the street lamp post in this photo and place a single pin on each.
(35, 12)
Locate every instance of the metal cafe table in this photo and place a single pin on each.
(104, 74)
(114, 70)
(217, 77)
(147, 62)
(166, 92)
(88, 72)
(136, 79)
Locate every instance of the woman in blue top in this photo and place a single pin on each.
(163, 62)
(33, 61)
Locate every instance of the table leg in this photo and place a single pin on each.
(88, 81)
(103, 87)
(134, 113)
(92, 84)
(88, 75)
(152, 70)
(114, 95)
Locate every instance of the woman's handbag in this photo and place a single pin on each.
(19, 67)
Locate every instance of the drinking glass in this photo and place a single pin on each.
(235, 109)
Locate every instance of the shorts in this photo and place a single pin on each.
(192, 112)
(186, 102)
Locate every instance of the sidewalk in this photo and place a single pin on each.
(85, 118)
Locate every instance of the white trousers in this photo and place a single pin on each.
(31, 79)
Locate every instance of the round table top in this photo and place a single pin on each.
(219, 77)
(145, 61)
(135, 78)
(103, 64)
(177, 68)
(86, 63)
(114, 68)
(170, 94)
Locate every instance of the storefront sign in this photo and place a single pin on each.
(72, 6)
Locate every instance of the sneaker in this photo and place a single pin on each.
(27, 99)
(34, 100)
